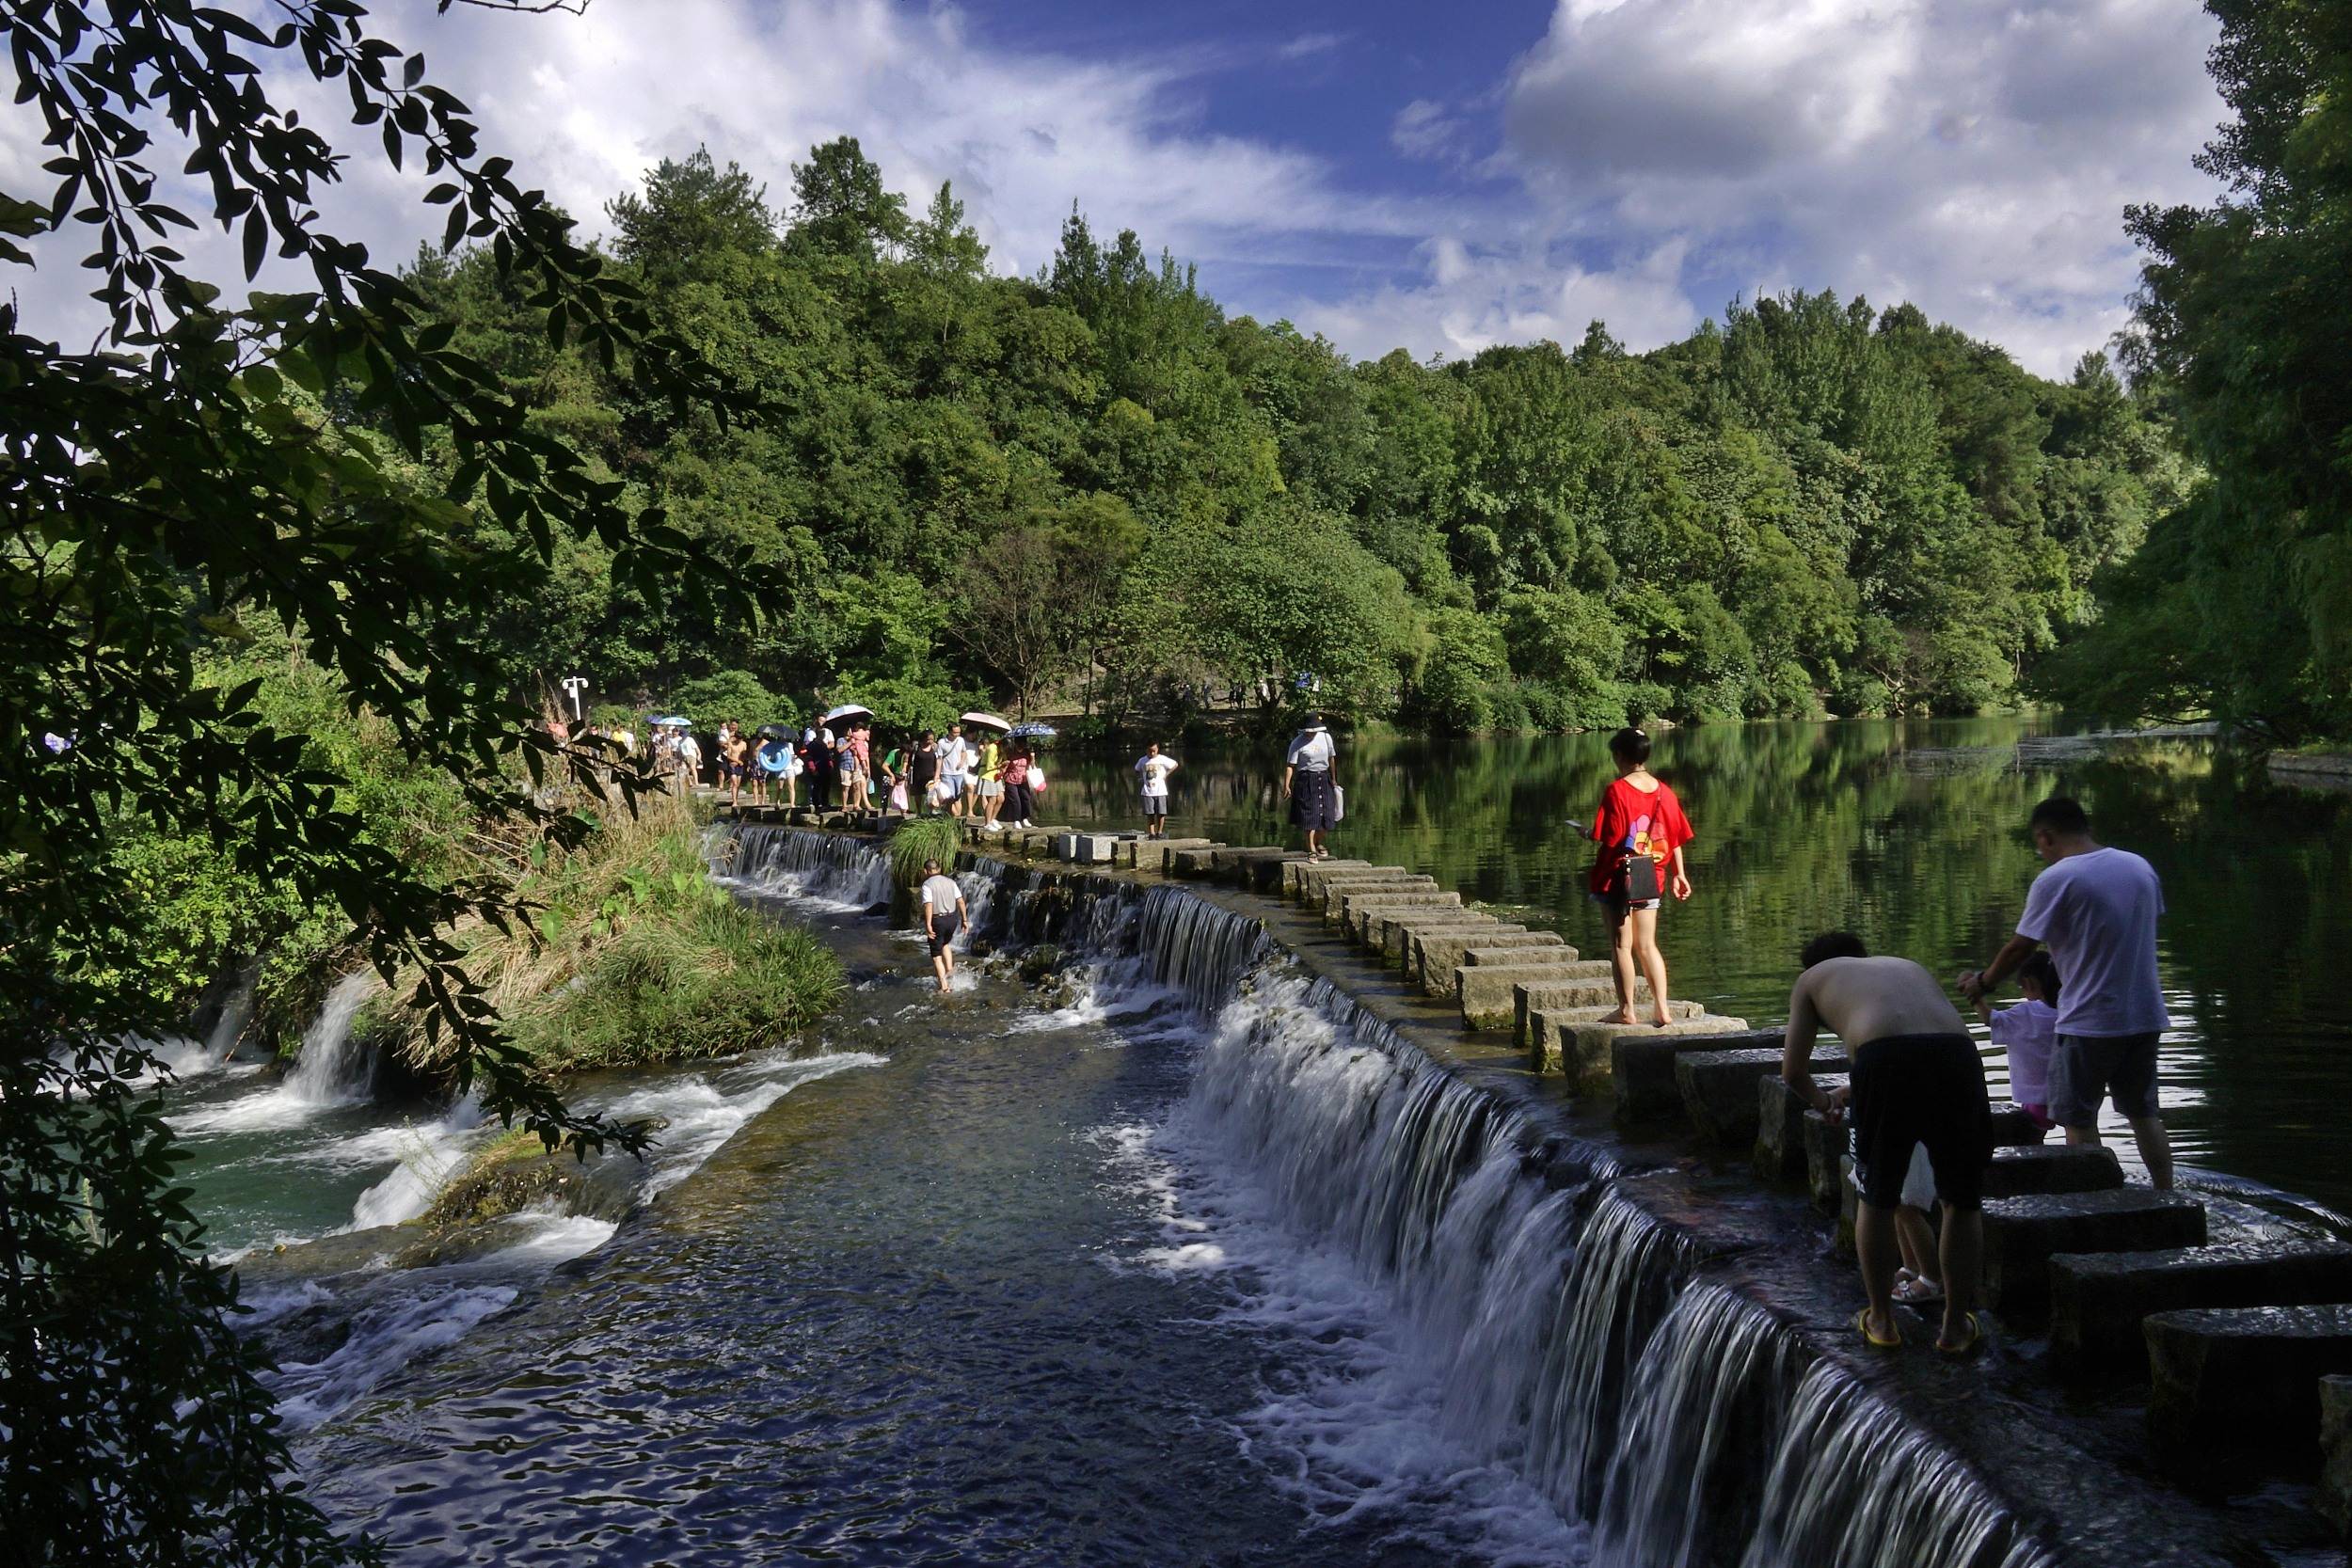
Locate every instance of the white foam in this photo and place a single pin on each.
(1359, 1420)
(387, 1335)
(429, 1156)
(702, 1114)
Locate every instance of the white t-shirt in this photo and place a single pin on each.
(2028, 1032)
(689, 751)
(1312, 754)
(940, 894)
(2097, 914)
(955, 758)
(1154, 772)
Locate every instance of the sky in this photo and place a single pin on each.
(1434, 177)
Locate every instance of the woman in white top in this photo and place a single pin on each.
(1307, 782)
(1153, 767)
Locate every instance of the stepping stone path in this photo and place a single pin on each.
(2249, 1344)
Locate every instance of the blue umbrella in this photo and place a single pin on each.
(1031, 732)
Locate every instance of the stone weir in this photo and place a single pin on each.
(1632, 1238)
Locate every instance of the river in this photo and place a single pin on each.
(1911, 833)
(1184, 1261)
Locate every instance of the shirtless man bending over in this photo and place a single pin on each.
(1917, 1080)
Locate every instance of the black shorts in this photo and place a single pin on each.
(943, 929)
(1913, 1089)
(2088, 1068)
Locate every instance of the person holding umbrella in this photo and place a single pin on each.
(1309, 785)
(986, 768)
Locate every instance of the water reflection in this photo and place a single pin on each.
(1911, 833)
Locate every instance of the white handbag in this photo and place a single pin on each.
(1339, 803)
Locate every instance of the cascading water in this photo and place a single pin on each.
(333, 1069)
(848, 872)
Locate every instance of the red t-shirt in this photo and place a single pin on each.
(1649, 824)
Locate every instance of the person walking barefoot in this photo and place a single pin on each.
(943, 917)
(1641, 830)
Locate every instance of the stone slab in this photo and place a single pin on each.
(1780, 1111)
(1344, 902)
(1196, 863)
(2098, 1300)
(1575, 1042)
(1084, 848)
(1356, 920)
(1719, 1087)
(1486, 984)
(1294, 873)
(1825, 1148)
(1336, 894)
(1393, 931)
(1576, 983)
(2020, 1235)
(1437, 954)
(1320, 875)
(1152, 854)
(2234, 1390)
(2335, 1453)
(1264, 873)
(1237, 866)
(1642, 1066)
(2014, 1126)
(2020, 1171)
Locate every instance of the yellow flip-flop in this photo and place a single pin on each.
(1861, 1327)
(1968, 1346)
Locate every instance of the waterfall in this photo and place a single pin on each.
(1854, 1486)
(851, 873)
(331, 1069)
(1576, 1337)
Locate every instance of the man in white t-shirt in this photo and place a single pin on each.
(1153, 768)
(943, 917)
(955, 757)
(2097, 909)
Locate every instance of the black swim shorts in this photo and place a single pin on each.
(944, 929)
(1913, 1089)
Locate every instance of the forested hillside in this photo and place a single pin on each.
(1093, 486)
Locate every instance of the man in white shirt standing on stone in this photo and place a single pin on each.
(2097, 910)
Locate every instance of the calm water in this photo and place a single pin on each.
(1909, 832)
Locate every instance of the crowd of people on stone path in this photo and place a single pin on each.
(992, 778)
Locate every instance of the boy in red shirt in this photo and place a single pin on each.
(1641, 830)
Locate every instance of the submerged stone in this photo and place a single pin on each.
(2021, 1171)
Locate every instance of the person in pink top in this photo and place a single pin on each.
(1641, 830)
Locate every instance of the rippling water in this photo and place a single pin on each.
(1912, 834)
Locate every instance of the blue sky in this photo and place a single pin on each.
(1431, 176)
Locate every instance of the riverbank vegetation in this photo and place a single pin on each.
(1093, 486)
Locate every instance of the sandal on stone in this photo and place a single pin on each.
(1968, 1346)
(1861, 1327)
(1919, 1291)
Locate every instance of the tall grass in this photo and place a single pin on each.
(924, 838)
(634, 956)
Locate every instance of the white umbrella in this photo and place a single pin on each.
(988, 720)
(845, 710)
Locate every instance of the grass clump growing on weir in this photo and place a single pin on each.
(634, 956)
(924, 838)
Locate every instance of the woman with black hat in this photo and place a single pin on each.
(1307, 780)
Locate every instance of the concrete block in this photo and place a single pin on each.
(1264, 873)
(1437, 954)
(1294, 873)
(2335, 1453)
(1196, 863)
(1576, 983)
(1397, 933)
(1641, 1064)
(1152, 854)
(1575, 1042)
(1229, 865)
(1321, 875)
(2022, 1170)
(1719, 1087)
(1348, 903)
(2233, 1391)
(1779, 1155)
(2098, 1300)
(1334, 891)
(2021, 1233)
(1489, 991)
(1390, 927)
(1827, 1146)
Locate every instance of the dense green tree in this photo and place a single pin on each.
(2241, 606)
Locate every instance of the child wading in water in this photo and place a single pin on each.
(1641, 830)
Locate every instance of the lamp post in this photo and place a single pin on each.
(573, 686)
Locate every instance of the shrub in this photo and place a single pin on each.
(923, 839)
